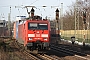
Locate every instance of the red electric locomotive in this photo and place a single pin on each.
(34, 34)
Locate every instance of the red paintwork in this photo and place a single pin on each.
(23, 32)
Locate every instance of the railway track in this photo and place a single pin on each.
(48, 57)
(68, 52)
(32, 56)
(27, 55)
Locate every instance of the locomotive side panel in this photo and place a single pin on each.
(20, 34)
(15, 30)
(22, 30)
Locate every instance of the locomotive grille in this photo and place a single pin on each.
(38, 41)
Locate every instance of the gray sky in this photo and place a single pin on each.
(42, 11)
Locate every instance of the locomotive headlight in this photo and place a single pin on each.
(45, 39)
(30, 38)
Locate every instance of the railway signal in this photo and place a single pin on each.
(57, 25)
(57, 14)
(84, 25)
(84, 17)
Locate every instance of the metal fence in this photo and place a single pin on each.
(80, 35)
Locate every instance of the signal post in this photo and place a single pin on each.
(57, 25)
(84, 26)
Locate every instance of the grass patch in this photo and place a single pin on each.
(12, 56)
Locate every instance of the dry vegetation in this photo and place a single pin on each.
(69, 17)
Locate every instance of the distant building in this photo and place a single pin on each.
(3, 23)
(3, 28)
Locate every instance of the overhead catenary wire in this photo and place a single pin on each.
(33, 2)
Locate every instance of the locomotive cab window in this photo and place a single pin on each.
(38, 26)
(32, 25)
(43, 26)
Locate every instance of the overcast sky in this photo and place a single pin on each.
(42, 11)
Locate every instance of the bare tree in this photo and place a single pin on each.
(69, 17)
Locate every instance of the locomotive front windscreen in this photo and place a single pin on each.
(37, 26)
